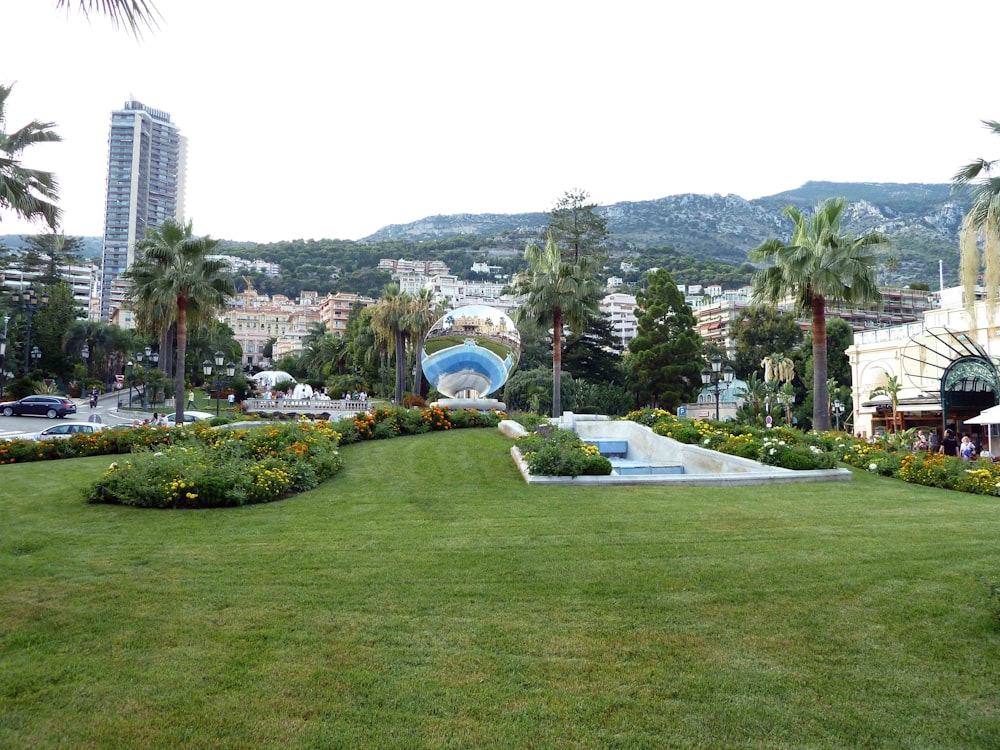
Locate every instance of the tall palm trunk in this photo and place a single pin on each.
(821, 395)
(182, 305)
(418, 375)
(166, 349)
(556, 363)
(400, 365)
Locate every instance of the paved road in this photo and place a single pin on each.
(105, 412)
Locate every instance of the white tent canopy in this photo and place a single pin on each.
(987, 417)
(267, 378)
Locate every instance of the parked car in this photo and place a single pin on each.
(42, 406)
(65, 430)
(189, 417)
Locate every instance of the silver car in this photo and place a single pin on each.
(65, 430)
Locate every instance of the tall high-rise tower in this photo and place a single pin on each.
(146, 162)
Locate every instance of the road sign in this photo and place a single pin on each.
(768, 420)
(682, 411)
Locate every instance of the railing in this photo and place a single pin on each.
(309, 406)
(894, 333)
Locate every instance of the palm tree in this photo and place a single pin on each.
(818, 264)
(983, 218)
(986, 191)
(30, 193)
(325, 354)
(891, 388)
(754, 395)
(130, 13)
(556, 294)
(423, 312)
(388, 317)
(778, 367)
(173, 274)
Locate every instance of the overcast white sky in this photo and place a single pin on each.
(313, 119)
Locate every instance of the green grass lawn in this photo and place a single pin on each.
(427, 597)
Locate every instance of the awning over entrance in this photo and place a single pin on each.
(951, 365)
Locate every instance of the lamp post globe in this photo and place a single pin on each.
(838, 409)
(715, 377)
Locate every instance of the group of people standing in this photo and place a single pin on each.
(949, 445)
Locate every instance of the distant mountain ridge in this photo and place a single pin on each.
(922, 219)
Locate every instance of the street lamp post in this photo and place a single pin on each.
(28, 300)
(36, 356)
(207, 369)
(3, 354)
(715, 377)
(142, 396)
(154, 358)
(838, 409)
(130, 364)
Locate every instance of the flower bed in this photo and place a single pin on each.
(792, 449)
(784, 447)
(215, 469)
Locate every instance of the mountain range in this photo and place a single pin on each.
(922, 219)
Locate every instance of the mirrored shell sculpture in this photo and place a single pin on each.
(470, 352)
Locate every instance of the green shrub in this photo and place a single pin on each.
(744, 446)
(561, 453)
(596, 466)
(682, 432)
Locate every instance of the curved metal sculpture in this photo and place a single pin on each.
(470, 352)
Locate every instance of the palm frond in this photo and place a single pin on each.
(132, 14)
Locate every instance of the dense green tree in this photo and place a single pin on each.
(536, 350)
(531, 390)
(760, 331)
(602, 398)
(594, 353)
(49, 326)
(47, 253)
(30, 193)
(817, 264)
(100, 340)
(664, 360)
(173, 273)
(576, 227)
(208, 335)
(557, 294)
(839, 338)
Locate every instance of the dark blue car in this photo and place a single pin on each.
(41, 406)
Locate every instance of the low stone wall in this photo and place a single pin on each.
(313, 407)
